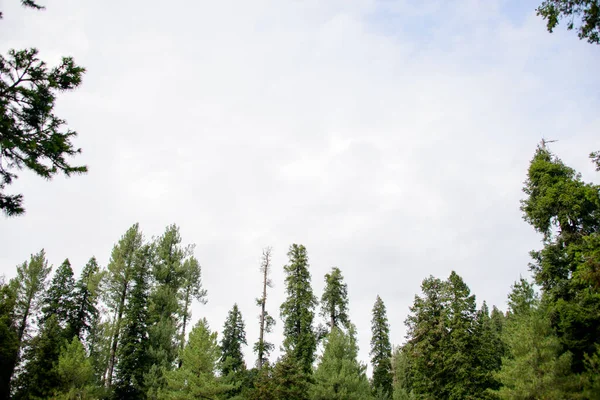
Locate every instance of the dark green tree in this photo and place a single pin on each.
(31, 134)
(87, 291)
(339, 374)
(59, 299)
(381, 350)
(334, 302)
(582, 15)
(297, 311)
(29, 286)
(9, 344)
(290, 380)
(566, 211)
(120, 279)
(133, 361)
(234, 336)
(40, 378)
(263, 348)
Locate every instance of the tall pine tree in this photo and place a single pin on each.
(59, 299)
(192, 290)
(87, 291)
(297, 311)
(334, 302)
(234, 336)
(381, 350)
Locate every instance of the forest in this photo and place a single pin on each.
(125, 331)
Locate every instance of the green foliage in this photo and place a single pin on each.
(40, 378)
(381, 350)
(196, 378)
(401, 374)
(31, 135)
(85, 299)
(192, 290)
(9, 343)
(297, 311)
(59, 299)
(75, 372)
(584, 15)
(133, 361)
(339, 374)
(263, 386)
(290, 380)
(567, 212)
(334, 302)
(234, 336)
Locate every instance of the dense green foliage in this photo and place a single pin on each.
(584, 15)
(120, 332)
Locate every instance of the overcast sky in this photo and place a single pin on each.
(391, 138)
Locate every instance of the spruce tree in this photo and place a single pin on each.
(133, 359)
(381, 350)
(263, 348)
(87, 291)
(59, 299)
(234, 336)
(9, 344)
(334, 302)
(297, 311)
(290, 380)
(119, 282)
(339, 374)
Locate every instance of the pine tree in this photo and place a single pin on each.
(29, 285)
(234, 336)
(120, 278)
(87, 291)
(75, 372)
(290, 380)
(262, 347)
(192, 290)
(339, 375)
(297, 311)
(133, 362)
(334, 302)
(381, 350)
(197, 376)
(40, 379)
(9, 344)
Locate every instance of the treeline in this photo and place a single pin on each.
(120, 332)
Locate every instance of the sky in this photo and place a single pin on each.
(391, 138)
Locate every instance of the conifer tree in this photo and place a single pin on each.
(262, 347)
(381, 350)
(339, 375)
(59, 299)
(197, 376)
(334, 302)
(297, 311)
(192, 290)
(234, 336)
(290, 380)
(8, 336)
(133, 360)
(29, 285)
(75, 372)
(120, 278)
(40, 379)
(87, 291)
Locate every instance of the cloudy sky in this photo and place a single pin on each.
(391, 138)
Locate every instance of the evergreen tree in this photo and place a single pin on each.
(40, 379)
(197, 376)
(133, 362)
(29, 285)
(402, 375)
(297, 311)
(290, 380)
(59, 299)
(234, 336)
(334, 302)
(566, 211)
(75, 372)
(120, 278)
(381, 350)
(87, 291)
(262, 347)
(339, 374)
(192, 290)
(263, 388)
(164, 307)
(9, 344)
